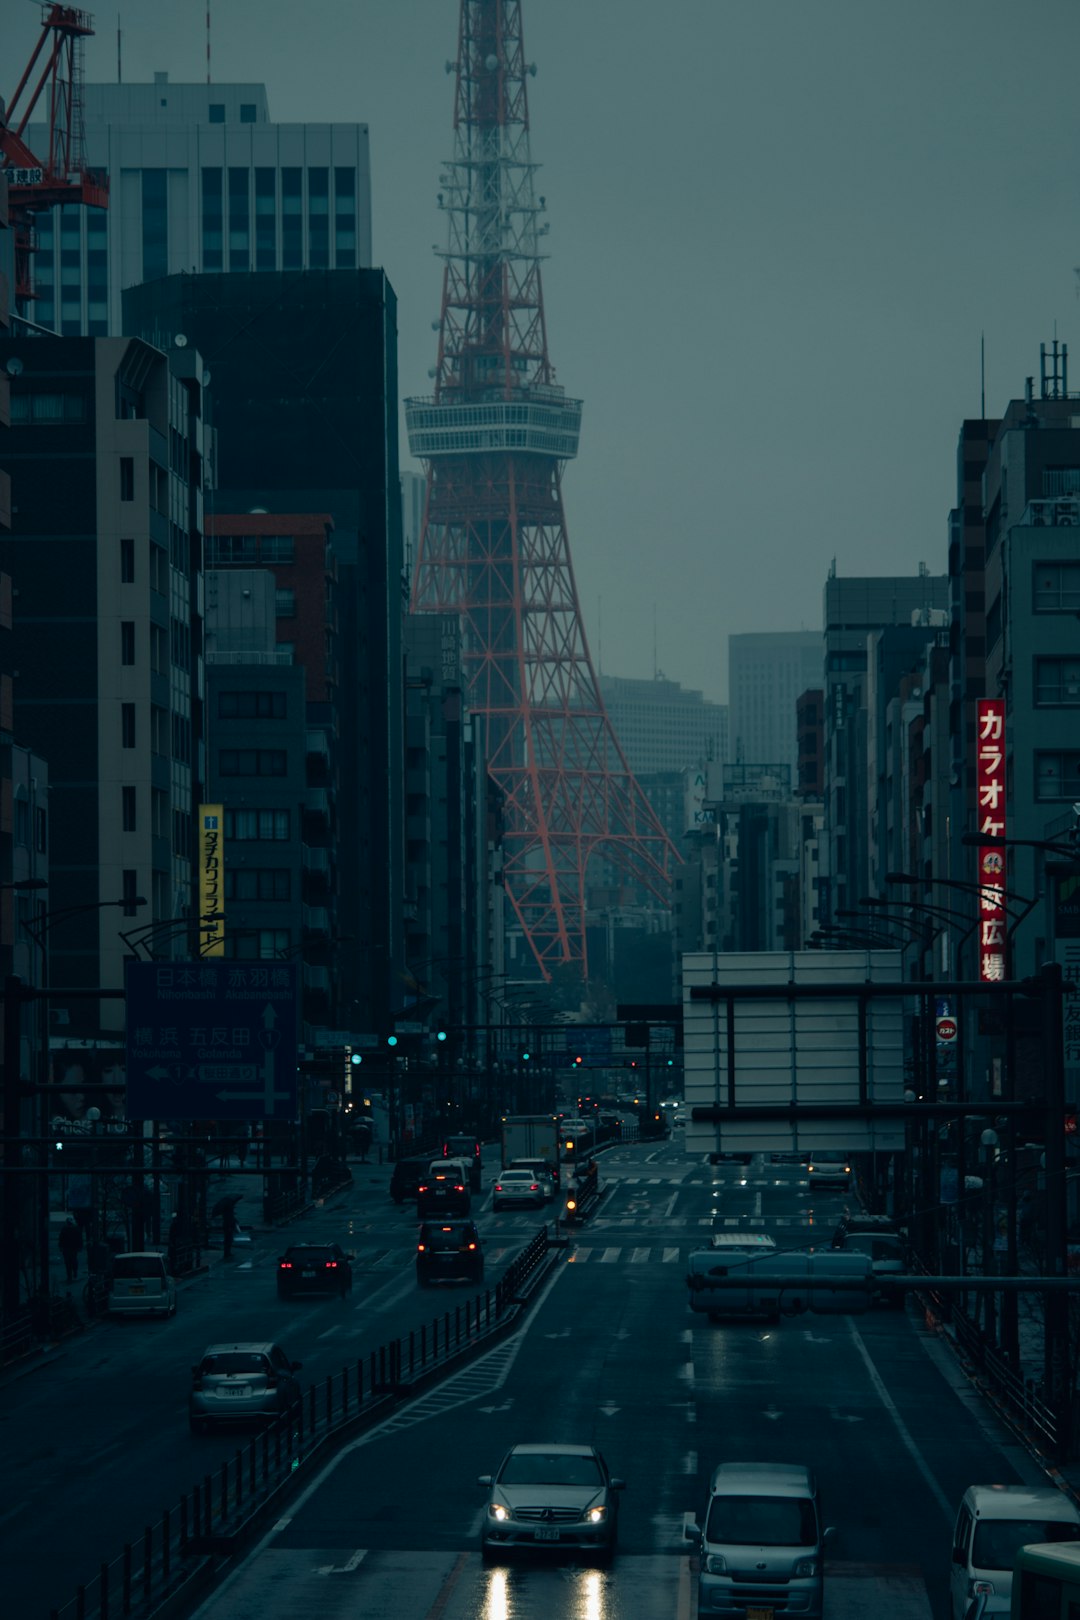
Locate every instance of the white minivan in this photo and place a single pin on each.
(762, 1542)
(141, 1286)
(993, 1523)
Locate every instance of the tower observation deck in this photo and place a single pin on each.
(494, 437)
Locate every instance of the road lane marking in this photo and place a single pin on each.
(447, 1590)
(901, 1427)
(670, 1205)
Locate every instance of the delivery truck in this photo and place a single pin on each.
(530, 1136)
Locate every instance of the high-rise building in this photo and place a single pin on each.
(767, 673)
(108, 443)
(912, 612)
(305, 398)
(200, 180)
(663, 726)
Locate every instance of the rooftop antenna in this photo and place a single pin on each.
(119, 56)
(208, 41)
(982, 376)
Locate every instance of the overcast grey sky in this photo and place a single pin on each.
(778, 228)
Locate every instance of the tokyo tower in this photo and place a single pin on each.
(494, 549)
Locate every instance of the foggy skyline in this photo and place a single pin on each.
(778, 231)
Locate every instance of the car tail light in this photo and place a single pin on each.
(535, 1187)
(459, 1186)
(285, 1265)
(331, 1265)
(497, 1187)
(421, 1247)
(472, 1245)
(423, 1187)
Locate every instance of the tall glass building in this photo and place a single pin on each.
(200, 179)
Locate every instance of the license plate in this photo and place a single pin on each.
(136, 1288)
(759, 1611)
(547, 1532)
(244, 1389)
(307, 1274)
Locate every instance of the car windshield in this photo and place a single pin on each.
(516, 1175)
(137, 1265)
(543, 1468)
(451, 1238)
(997, 1541)
(309, 1257)
(235, 1361)
(762, 1521)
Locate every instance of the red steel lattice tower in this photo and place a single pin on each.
(494, 549)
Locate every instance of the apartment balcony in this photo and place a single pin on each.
(315, 921)
(316, 980)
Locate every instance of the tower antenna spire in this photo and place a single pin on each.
(495, 437)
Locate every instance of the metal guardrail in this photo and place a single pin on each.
(210, 1518)
(1018, 1394)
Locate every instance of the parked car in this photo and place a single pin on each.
(314, 1268)
(993, 1523)
(517, 1187)
(541, 1170)
(551, 1497)
(449, 1249)
(468, 1149)
(445, 1189)
(139, 1285)
(407, 1176)
(241, 1383)
(829, 1170)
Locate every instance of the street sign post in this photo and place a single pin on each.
(211, 1040)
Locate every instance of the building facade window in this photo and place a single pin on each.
(127, 478)
(213, 216)
(127, 641)
(257, 826)
(1057, 682)
(253, 762)
(239, 219)
(258, 883)
(127, 725)
(1057, 587)
(251, 705)
(217, 112)
(266, 219)
(345, 218)
(1057, 775)
(285, 603)
(318, 219)
(292, 219)
(128, 809)
(258, 944)
(130, 890)
(247, 112)
(155, 224)
(127, 562)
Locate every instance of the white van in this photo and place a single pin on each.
(141, 1286)
(993, 1523)
(762, 1542)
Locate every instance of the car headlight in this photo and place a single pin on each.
(716, 1564)
(596, 1515)
(806, 1567)
(497, 1511)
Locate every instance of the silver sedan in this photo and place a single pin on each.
(517, 1187)
(551, 1497)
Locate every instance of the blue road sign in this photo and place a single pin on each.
(211, 1040)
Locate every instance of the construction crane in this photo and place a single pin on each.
(36, 183)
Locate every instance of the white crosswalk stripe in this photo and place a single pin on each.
(634, 1257)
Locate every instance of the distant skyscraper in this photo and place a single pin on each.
(768, 671)
(200, 179)
(663, 726)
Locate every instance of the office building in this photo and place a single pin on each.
(767, 673)
(200, 180)
(662, 726)
(305, 391)
(108, 444)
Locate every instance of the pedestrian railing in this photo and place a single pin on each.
(210, 1518)
(1019, 1395)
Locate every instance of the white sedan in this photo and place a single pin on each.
(516, 1187)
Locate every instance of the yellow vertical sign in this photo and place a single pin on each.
(211, 881)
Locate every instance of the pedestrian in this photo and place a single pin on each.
(71, 1242)
(228, 1228)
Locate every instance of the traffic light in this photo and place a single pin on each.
(440, 1034)
(525, 1056)
(356, 1058)
(578, 1060)
(391, 1040)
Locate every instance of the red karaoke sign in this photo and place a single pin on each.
(990, 793)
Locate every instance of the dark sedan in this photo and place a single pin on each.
(449, 1249)
(314, 1268)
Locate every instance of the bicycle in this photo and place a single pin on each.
(95, 1294)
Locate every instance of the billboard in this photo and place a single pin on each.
(990, 801)
(211, 881)
(792, 1050)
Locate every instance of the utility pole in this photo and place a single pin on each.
(1056, 1374)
